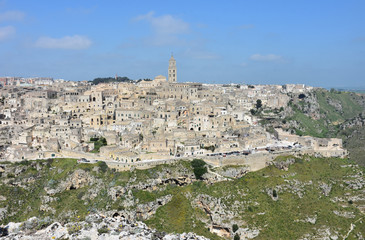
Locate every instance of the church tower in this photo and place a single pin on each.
(172, 70)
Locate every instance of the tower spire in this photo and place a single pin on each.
(172, 71)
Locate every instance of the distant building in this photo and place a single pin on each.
(172, 70)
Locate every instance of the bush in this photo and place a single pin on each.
(103, 230)
(258, 103)
(199, 168)
(234, 227)
(103, 166)
(274, 193)
(236, 237)
(250, 208)
(210, 148)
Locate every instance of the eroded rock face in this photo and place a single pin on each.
(3, 212)
(217, 212)
(78, 179)
(95, 226)
(283, 165)
(356, 181)
(322, 233)
(344, 214)
(234, 172)
(180, 177)
(144, 211)
(326, 188)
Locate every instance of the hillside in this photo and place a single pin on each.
(291, 199)
(322, 113)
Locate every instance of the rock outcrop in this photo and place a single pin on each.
(95, 226)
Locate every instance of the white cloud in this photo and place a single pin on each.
(266, 58)
(167, 29)
(67, 42)
(11, 16)
(165, 24)
(6, 32)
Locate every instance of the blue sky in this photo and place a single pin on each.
(318, 43)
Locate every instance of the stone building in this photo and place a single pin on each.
(172, 77)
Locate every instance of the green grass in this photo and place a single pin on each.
(178, 216)
(328, 124)
(350, 108)
(280, 218)
(245, 197)
(98, 143)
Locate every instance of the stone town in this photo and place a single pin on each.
(144, 122)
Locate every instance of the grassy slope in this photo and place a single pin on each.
(280, 217)
(321, 127)
(354, 142)
(246, 197)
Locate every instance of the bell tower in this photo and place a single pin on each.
(172, 70)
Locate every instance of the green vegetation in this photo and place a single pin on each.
(334, 108)
(98, 143)
(199, 168)
(258, 103)
(179, 216)
(354, 141)
(234, 227)
(247, 200)
(280, 217)
(210, 148)
(96, 81)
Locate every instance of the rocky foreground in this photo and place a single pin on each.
(95, 226)
(292, 198)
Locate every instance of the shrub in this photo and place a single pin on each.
(103, 166)
(103, 230)
(274, 193)
(258, 103)
(236, 237)
(199, 168)
(250, 208)
(234, 227)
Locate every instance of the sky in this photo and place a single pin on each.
(317, 43)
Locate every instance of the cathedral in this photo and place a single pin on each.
(172, 70)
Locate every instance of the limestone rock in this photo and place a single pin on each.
(3, 212)
(95, 226)
(283, 165)
(326, 189)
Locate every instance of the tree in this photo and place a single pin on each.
(199, 168)
(301, 96)
(234, 227)
(236, 237)
(252, 111)
(258, 103)
(274, 193)
(103, 166)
